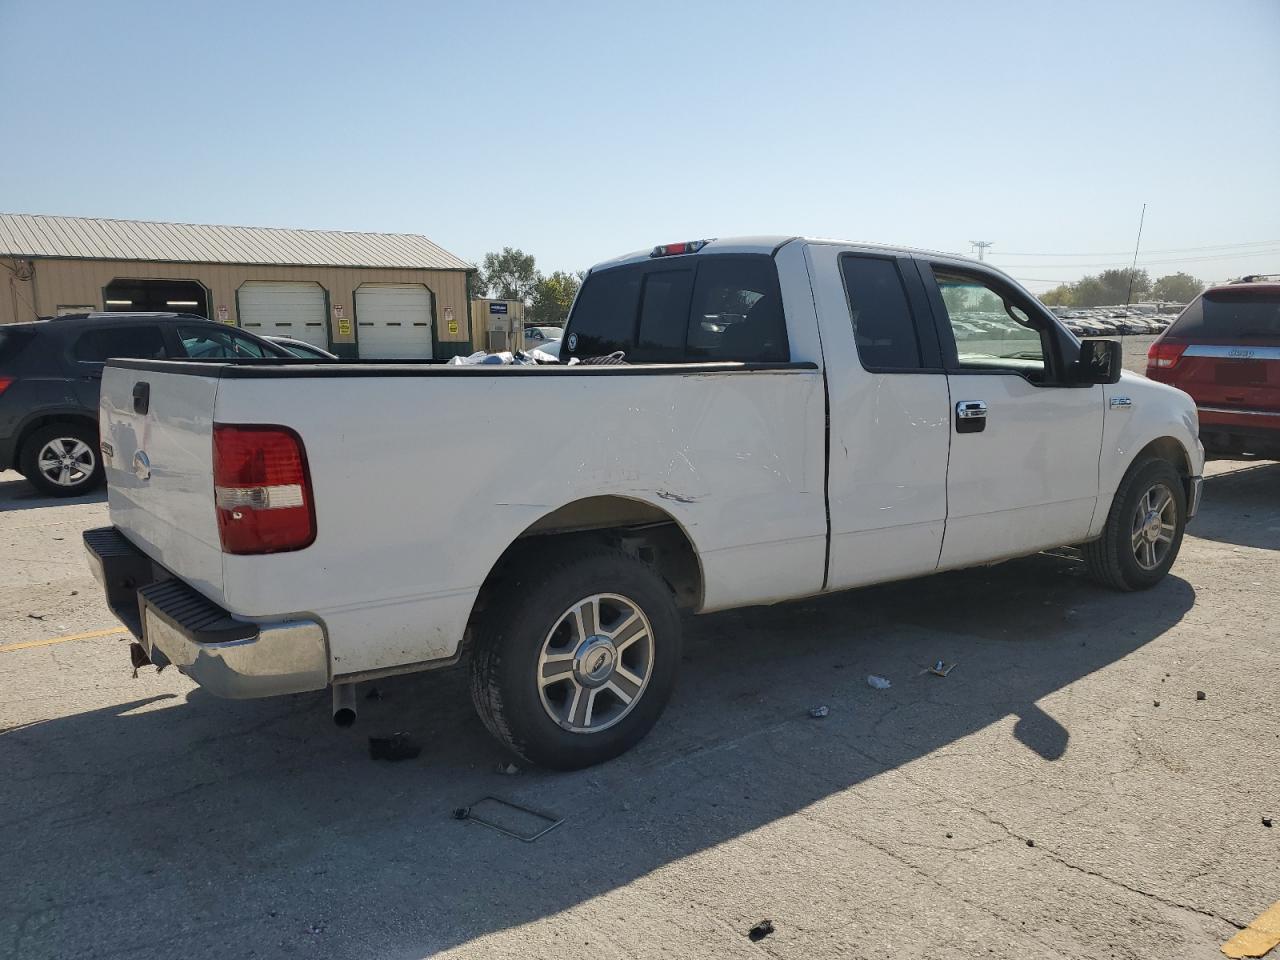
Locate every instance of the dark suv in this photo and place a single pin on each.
(50, 372)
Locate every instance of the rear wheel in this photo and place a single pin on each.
(62, 459)
(1144, 529)
(573, 666)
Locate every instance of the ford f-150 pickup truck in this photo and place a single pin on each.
(791, 417)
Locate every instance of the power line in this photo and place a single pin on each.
(981, 246)
(1124, 253)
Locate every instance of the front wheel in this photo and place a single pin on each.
(573, 665)
(1144, 529)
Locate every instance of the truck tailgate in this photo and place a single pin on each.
(157, 432)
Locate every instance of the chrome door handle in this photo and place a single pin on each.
(971, 416)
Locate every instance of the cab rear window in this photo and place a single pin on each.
(1228, 315)
(686, 310)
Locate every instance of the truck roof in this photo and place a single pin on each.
(769, 244)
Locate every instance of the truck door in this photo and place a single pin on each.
(1025, 441)
(889, 424)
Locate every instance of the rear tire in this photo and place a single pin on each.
(62, 460)
(1143, 533)
(573, 665)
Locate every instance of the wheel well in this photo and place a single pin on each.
(1167, 448)
(641, 529)
(80, 420)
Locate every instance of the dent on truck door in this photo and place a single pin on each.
(1023, 470)
(889, 426)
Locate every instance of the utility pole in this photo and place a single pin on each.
(1134, 269)
(980, 246)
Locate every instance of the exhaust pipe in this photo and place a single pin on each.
(344, 704)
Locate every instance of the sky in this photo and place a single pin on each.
(580, 131)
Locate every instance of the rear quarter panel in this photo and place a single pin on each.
(421, 482)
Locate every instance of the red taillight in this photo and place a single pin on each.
(1164, 355)
(4, 383)
(262, 489)
(675, 249)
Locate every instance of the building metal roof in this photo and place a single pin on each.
(84, 238)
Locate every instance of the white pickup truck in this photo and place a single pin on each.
(793, 417)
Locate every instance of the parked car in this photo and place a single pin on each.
(279, 528)
(49, 376)
(535, 335)
(549, 349)
(300, 348)
(1224, 350)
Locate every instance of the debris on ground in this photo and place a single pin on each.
(36, 616)
(948, 836)
(1266, 821)
(1155, 703)
(876, 682)
(1258, 938)
(373, 694)
(819, 712)
(760, 931)
(508, 769)
(1200, 695)
(941, 669)
(513, 819)
(461, 813)
(398, 746)
(1031, 843)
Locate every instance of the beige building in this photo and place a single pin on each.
(369, 295)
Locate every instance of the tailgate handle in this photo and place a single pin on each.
(141, 396)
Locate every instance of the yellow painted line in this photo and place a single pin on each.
(1258, 938)
(4, 648)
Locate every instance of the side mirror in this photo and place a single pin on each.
(1100, 361)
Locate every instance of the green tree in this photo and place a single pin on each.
(479, 285)
(1118, 287)
(1060, 296)
(1088, 292)
(1178, 287)
(552, 297)
(510, 275)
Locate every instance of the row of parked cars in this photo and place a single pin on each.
(1113, 321)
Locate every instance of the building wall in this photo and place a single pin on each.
(62, 283)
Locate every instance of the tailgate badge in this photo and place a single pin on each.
(141, 466)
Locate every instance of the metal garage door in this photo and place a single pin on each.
(395, 321)
(296, 310)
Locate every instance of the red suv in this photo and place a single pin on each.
(1224, 350)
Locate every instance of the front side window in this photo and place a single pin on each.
(883, 328)
(990, 332)
(135, 343)
(211, 343)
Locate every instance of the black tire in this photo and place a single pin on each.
(86, 475)
(1112, 559)
(511, 637)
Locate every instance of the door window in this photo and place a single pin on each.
(883, 327)
(136, 343)
(213, 343)
(990, 332)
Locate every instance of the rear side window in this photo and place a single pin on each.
(604, 315)
(12, 343)
(737, 311)
(883, 328)
(137, 343)
(217, 343)
(1230, 315)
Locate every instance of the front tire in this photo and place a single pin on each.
(1144, 528)
(572, 666)
(62, 460)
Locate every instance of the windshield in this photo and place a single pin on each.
(1231, 315)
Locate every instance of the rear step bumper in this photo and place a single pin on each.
(176, 624)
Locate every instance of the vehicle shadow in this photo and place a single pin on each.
(1241, 507)
(179, 824)
(17, 493)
